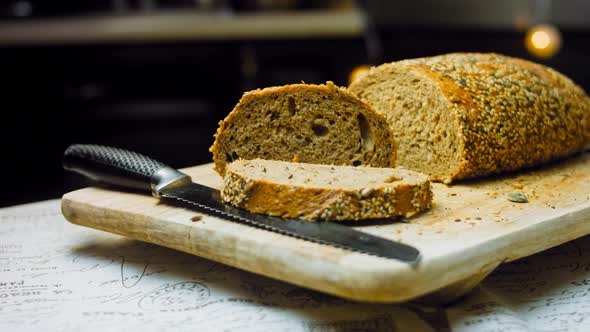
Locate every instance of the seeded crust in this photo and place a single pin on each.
(310, 123)
(324, 192)
(464, 115)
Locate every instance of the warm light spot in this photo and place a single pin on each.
(357, 72)
(543, 40)
(540, 39)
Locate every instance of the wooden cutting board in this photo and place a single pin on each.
(470, 230)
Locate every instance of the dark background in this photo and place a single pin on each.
(64, 79)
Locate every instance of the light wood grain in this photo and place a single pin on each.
(471, 229)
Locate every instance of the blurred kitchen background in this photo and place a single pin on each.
(156, 76)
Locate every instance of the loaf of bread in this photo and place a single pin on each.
(324, 192)
(320, 124)
(464, 115)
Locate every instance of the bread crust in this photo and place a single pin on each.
(220, 145)
(406, 197)
(511, 113)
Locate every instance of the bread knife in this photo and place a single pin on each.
(132, 170)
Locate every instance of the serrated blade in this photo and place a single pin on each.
(208, 200)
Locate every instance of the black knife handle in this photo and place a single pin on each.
(121, 167)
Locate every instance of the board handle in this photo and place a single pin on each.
(122, 168)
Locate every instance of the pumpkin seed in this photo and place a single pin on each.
(517, 197)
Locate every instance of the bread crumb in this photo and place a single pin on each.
(295, 158)
(197, 217)
(517, 185)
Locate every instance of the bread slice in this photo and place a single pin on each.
(463, 115)
(324, 192)
(320, 124)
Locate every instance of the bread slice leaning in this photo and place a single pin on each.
(464, 115)
(320, 124)
(324, 192)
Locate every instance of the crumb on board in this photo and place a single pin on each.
(196, 217)
(500, 219)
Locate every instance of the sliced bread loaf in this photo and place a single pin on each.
(320, 124)
(464, 115)
(324, 192)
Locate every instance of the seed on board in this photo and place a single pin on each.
(517, 197)
(197, 217)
